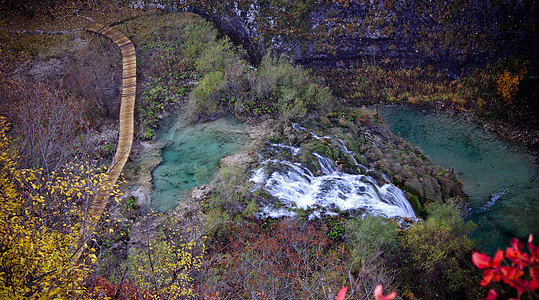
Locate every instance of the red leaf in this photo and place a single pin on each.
(512, 253)
(487, 278)
(342, 293)
(378, 295)
(391, 296)
(534, 283)
(515, 275)
(515, 243)
(481, 260)
(489, 275)
(511, 273)
(518, 258)
(498, 258)
(491, 295)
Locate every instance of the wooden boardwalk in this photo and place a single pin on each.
(125, 140)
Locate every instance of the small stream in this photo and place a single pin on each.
(500, 178)
(190, 156)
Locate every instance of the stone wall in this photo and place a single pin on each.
(451, 35)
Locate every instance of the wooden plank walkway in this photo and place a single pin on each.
(125, 140)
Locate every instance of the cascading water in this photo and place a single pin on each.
(340, 143)
(327, 189)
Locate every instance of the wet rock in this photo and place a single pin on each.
(414, 186)
(431, 188)
(451, 187)
(138, 172)
(376, 153)
(141, 195)
(241, 160)
(201, 193)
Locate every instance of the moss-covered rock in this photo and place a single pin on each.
(372, 145)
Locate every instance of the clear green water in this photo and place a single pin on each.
(500, 178)
(190, 156)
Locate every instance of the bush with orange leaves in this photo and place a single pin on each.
(507, 84)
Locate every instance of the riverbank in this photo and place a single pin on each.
(475, 94)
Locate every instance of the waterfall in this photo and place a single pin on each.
(340, 143)
(327, 190)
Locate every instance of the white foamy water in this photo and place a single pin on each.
(340, 143)
(493, 198)
(294, 150)
(297, 187)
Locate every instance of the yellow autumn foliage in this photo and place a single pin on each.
(507, 84)
(43, 220)
(163, 267)
(40, 227)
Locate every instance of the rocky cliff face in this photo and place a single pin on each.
(451, 35)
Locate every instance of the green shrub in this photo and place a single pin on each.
(373, 246)
(373, 232)
(223, 57)
(204, 99)
(336, 230)
(147, 134)
(372, 238)
(437, 262)
(167, 56)
(294, 88)
(277, 86)
(109, 149)
(251, 209)
(231, 191)
(216, 222)
(151, 103)
(216, 57)
(197, 35)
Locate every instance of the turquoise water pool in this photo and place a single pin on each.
(190, 156)
(500, 178)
